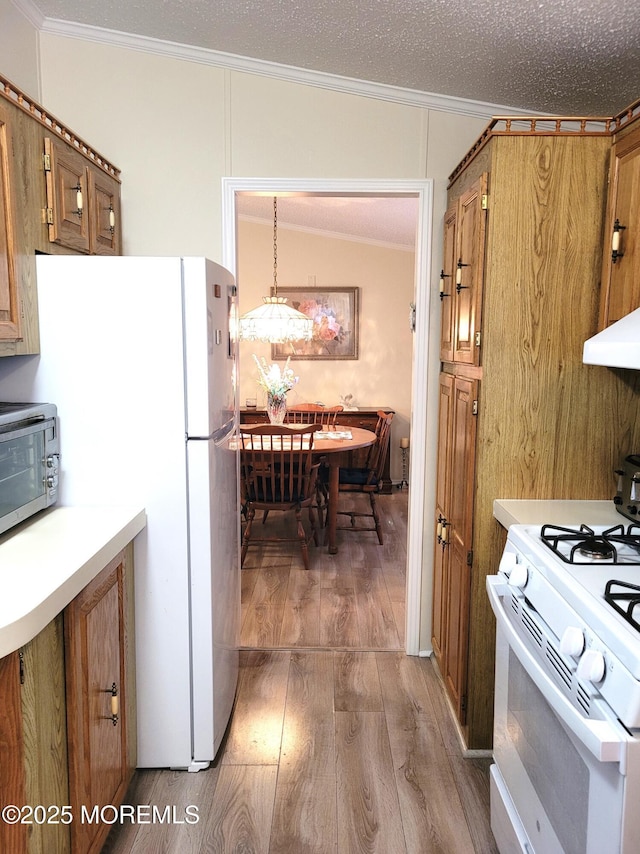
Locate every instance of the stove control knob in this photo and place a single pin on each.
(507, 562)
(631, 508)
(591, 666)
(519, 576)
(572, 641)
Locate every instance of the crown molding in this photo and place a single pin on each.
(291, 74)
(30, 12)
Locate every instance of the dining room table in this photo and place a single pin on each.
(335, 445)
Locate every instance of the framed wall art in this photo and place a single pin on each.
(335, 313)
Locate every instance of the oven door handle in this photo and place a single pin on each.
(601, 738)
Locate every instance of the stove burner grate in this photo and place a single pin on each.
(617, 592)
(570, 544)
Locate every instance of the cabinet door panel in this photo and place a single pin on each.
(66, 183)
(457, 637)
(470, 273)
(447, 285)
(443, 490)
(621, 280)
(9, 301)
(13, 837)
(95, 641)
(463, 462)
(104, 196)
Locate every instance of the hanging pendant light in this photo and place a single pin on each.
(274, 321)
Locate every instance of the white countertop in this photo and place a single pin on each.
(47, 561)
(529, 512)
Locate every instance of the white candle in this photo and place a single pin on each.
(404, 443)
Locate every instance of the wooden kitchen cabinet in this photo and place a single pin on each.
(621, 268)
(538, 406)
(12, 790)
(33, 744)
(58, 744)
(83, 204)
(454, 528)
(462, 276)
(25, 209)
(98, 680)
(9, 292)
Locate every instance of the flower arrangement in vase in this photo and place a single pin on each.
(276, 382)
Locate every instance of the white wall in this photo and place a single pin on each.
(19, 59)
(381, 376)
(175, 128)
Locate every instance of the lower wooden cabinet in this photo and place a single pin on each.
(59, 745)
(97, 679)
(454, 532)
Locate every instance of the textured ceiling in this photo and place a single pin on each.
(571, 57)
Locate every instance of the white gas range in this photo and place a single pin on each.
(567, 712)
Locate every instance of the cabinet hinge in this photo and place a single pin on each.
(463, 703)
(469, 558)
(46, 162)
(48, 216)
(474, 407)
(21, 660)
(478, 338)
(485, 201)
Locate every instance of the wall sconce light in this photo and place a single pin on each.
(615, 241)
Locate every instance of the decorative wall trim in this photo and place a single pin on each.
(291, 74)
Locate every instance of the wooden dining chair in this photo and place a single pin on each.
(316, 413)
(277, 473)
(366, 480)
(313, 413)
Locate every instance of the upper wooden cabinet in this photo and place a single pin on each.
(83, 202)
(9, 291)
(621, 256)
(38, 208)
(461, 279)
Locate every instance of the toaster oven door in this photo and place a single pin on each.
(28, 471)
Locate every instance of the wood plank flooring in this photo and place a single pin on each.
(354, 599)
(337, 745)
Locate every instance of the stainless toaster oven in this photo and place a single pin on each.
(29, 460)
(627, 498)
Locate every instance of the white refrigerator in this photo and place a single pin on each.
(139, 356)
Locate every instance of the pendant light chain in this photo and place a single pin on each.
(274, 321)
(275, 246)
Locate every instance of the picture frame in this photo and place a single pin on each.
(336, 315)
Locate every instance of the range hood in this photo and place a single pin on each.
(618, 346)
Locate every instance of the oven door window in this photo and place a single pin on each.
(22, 471)
(567, 800)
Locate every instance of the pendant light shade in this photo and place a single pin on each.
(274, 321)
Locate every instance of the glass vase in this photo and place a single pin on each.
(276, 408)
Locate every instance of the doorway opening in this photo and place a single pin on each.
(235, 192)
